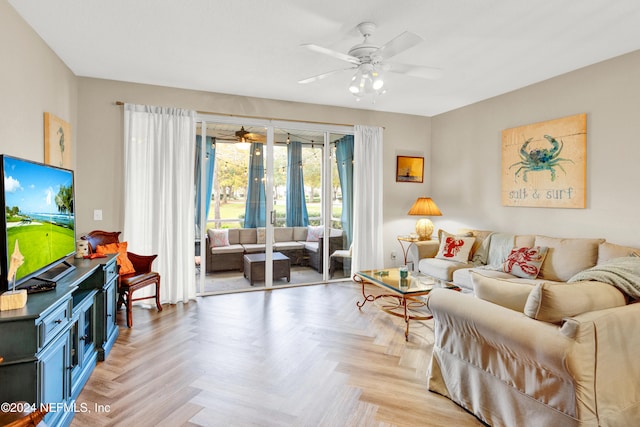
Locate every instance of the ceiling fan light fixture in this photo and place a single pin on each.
(367, 80)
(378, 81)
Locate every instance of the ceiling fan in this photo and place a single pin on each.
(371, 61)
(242, 136)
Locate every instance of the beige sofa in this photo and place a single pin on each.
(290, 241)
(557, 350)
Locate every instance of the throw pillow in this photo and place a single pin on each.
(122, 260)
(525, 262)
(455, 248)
(314, 233)
(219, 237)
(552, 302)
(505, 293)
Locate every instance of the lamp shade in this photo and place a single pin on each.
(424, 206)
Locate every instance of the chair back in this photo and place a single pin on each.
(99, 237)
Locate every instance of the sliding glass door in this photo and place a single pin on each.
(270, 205)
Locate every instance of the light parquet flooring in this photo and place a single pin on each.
(301, 356)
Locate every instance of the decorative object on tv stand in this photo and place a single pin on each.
(424, 206)
(13, 299)
(82, 248)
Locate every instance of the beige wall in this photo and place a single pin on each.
(466, 146)
(33, 80)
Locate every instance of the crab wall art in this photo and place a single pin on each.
(540, 159)
(544, 164)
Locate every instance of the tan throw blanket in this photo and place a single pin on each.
(623, 273)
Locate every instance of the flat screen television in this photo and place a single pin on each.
(38, 212)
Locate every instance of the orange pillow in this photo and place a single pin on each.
(122, 260)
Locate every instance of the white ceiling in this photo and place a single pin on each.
(252, 47)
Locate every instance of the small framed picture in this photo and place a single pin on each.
(410, 169)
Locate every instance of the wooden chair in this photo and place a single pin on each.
(131, 282)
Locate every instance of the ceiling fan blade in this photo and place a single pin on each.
(323, 75)
(401, 43)
(333, 53)
(419, 71)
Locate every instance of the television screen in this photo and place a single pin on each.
(39, 214)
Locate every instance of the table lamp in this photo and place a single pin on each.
(424, 206)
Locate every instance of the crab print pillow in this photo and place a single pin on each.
(455, 248)
(525, 262)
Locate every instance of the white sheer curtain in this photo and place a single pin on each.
(367, 199)
(159, 152)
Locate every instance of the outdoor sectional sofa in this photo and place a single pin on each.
(303, 246)
(556, 349)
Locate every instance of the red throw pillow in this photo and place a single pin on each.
(525, 262)
(122, 260)
(455, 248)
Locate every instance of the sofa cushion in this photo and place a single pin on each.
(551, 302)
(218, 237)
(234, 236)
(509, 294)
(248, 235)
(230, 249)
(252, 248)
(462, 276)
(480, 235)
(441, 269)
(287, 246)
(300, 234)
(566, 257)
(525, 262)
(311, 246)
(283, 234)
(525, 240)
(455, 248)
(608, 251)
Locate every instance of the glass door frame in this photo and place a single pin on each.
(270, 125)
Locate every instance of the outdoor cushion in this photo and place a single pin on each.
(231, 249)
(252, 248)
(284, 246)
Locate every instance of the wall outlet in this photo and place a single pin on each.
(394, 254)
(97, 214)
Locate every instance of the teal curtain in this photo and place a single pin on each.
(344, 159)
(255, 207)
(209, 162)
(297, 215)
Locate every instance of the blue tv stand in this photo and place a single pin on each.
(51, 346)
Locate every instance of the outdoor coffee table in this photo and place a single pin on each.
(402, 301)
(254, 266)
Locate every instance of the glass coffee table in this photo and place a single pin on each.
(402, 301)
